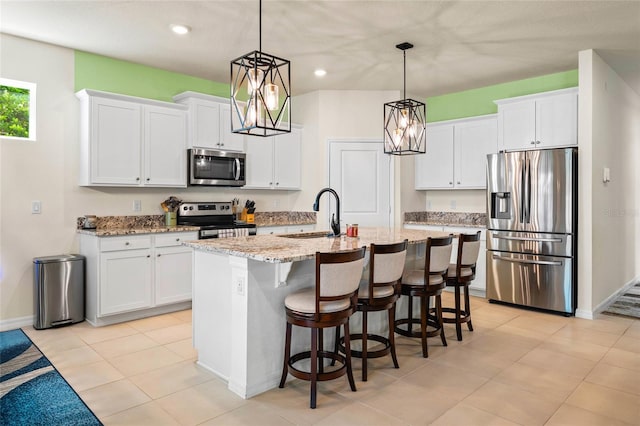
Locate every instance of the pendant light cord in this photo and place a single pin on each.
(404, 78)
(260, 27)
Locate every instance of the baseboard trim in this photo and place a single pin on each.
(13, 323)
(609, 300)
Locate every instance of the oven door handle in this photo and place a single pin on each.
(236, 169)
(529, 262)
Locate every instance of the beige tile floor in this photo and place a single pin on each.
(517, 368)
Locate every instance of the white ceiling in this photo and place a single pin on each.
(459, 45)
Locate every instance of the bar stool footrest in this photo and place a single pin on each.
(464, 317)
(378, 353)
(328, 375)
(431, 323)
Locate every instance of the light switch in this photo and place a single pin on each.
(36, 207)
(606, 175)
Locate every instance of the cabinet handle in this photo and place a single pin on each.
(222, 144)
(148, 179)
(127, 243)
(537, 142)
(277, 183)
(458, 183)
(158, 254)
(177, 239)
(450, 183)
(138, 179)
(148, 255)
(270, 183)
(533, 142)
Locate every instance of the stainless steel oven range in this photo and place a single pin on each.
(215, 219)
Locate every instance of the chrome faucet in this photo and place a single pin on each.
(335, 225)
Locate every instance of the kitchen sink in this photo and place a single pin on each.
(307, 235)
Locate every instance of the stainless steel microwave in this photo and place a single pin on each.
(208, 167)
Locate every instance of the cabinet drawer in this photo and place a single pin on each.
(175, 238)
(124, 243)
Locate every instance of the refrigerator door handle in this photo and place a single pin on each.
(542, 240)
(527, 192)
(522, 198)
(529, 262)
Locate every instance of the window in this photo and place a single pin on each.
(17, 110)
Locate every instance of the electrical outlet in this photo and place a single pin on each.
(137, 205)
(453, 204)
(276, 203)
(36, 207)
(240, 286)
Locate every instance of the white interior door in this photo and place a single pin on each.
(362, 175)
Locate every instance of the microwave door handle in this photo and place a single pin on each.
(236, 169)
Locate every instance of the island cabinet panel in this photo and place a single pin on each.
(209, 119)
(129, 141)
(456, 154)
(135, 276)
(544, 120)
(275, 162)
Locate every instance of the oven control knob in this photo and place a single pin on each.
(185, 208)
(190, 207)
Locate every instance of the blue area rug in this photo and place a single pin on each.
(32, 392)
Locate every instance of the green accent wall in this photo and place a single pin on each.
(127, 78)
(471, 103)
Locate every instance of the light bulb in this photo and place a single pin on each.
(254, 80)
(252, 114)
(404, 118)
(271, 96)
(413, 129)
(397, 137)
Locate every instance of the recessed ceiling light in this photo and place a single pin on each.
(180, 29)
(320, 73)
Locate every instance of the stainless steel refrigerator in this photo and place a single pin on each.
(531, 228)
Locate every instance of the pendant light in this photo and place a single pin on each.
(260, 93)
(405, 120)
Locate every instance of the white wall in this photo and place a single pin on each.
(469, 200)
(609, 222)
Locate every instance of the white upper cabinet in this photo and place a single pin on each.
(210, 122)
(544, 120)
(129, 141)
(274, 162)
(434, 169)
(456, 154)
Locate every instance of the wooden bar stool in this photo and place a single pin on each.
(329, 304)
(425, 283)
(459, 277)
(379, 293)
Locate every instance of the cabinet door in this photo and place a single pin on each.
(516, 125)
(173, 267)
(259, 163)
(434, 170)
(557, 120)
(125, 281)
(229, 141)
(271, 230)
(165, 147)
(472, 142)
(115, 142)
(286, 154)
(204, 124)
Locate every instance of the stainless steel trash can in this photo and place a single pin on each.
(58, 290)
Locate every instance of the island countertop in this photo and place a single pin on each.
(302, 246)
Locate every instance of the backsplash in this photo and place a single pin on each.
(284, 218)
(446, 218)
(152, 221)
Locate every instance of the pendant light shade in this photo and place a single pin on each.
(405, 121)
(260, 93)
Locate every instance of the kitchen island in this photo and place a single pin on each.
(239, 287)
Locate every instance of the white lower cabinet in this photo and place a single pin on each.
(135, 276)
(479, 284)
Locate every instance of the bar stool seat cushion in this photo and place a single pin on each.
(416, 277)
(378, 292)
(305, 301)
(464, 272)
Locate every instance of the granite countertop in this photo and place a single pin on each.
(472, 220)
(109, 226)
(277, 249)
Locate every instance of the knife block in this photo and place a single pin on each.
(243, 215)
